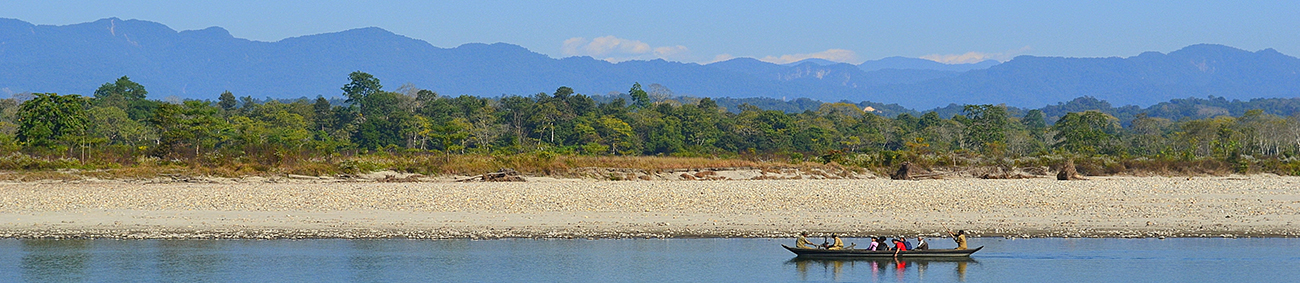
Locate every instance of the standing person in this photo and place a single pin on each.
(921, 244)
(960, 238)
(803, 242)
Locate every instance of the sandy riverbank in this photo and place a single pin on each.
(1237, 206)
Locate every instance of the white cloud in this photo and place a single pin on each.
(721, 57)
(614, 49)
(667, 52)
(836, 55)
(976, 57)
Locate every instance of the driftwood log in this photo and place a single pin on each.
(904, 172)
(505, 175)
(1068, 172)
(907, 171)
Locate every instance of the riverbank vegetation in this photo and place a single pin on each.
(118, 133)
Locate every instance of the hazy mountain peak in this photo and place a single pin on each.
(202, 63)
(905, 63)
(816, 61)
(1208, 47)
(210, 32)
(495, 47)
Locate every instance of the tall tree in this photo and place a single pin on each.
(192, 124)
(122, 87)
(986, 126)
(49, 120)
(227, 101)
(359, 87)
(324, 118)
(640, 99)
(115, 127)
(126, 95)
(1088, 132)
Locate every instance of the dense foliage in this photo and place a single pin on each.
(119, 127)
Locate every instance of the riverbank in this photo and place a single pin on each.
(1232, 206)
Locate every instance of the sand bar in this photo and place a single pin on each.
(1235, 206)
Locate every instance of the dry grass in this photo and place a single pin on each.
(541, 164)
(23, 167)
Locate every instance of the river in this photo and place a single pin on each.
(637, 260)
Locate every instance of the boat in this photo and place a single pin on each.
(865, 253)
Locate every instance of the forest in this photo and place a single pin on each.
(119, 132)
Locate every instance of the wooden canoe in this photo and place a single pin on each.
(864, 253)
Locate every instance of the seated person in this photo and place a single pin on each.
(803, 242)
(899, 246)
(883, 245)
(838, 245)
(921, 244)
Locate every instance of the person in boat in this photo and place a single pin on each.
(875, 243)
(803, 242)
(960, 238)
(838, 245)
(921, 244)
(906, 243)
(899, 245)
(883, 245)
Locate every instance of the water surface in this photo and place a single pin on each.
(636, 260)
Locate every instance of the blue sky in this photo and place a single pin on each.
(705, 31)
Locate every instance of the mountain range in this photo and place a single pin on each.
(202, 63)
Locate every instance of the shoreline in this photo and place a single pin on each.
(1110, 207)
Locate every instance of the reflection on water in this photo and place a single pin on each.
(636, 260)
(186, 261)
(55, 260)
(899, 268)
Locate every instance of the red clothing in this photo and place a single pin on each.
(900, 246)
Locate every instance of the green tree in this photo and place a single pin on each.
(1034, 120)
(51, 120)
(640, 99)
(192, 124)
(699, 124)
(114, 126)
(1088, 132)
(126, 95)
(360, 86)
(813, 139)
(616, 132)
(986, 126)
(323, 116)
(123, 87)
(451, 135)
(227, 101)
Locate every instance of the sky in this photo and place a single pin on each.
(708, 31)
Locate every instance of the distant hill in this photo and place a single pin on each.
(904, 63)
(203, 63)
(1195, 71)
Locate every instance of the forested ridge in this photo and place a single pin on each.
(415, 130)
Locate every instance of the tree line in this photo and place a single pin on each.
(118, 126)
